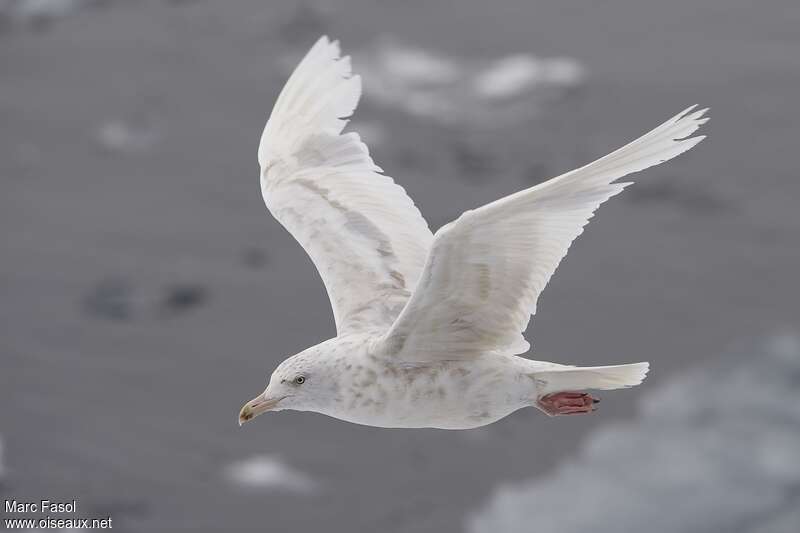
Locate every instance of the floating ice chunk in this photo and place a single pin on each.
(30, 9)
(37, 12)
(517, 74)
(455, 90)
(508, 77)
(418, 66)
(269, 473)
(126, 137)
(713, 450)
(563, 71)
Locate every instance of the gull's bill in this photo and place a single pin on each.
(257, 406)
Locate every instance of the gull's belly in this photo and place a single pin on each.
(446, 395)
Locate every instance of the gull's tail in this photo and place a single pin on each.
(578, 378)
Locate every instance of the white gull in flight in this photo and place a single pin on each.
(428, 325)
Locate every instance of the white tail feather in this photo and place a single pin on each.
(591, 377)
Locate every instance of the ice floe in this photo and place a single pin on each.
(454, 90)
(713, 450)
(37, 12)
(121, 136)
(268, 473)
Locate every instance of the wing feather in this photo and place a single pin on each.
(361, 230)
(485, 271)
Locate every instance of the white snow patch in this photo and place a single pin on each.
(508, 77)
(455, 90)
(714, 450)
(126, 137)
(563, 71)
(37, 11)
(270, 473)
(418, 66)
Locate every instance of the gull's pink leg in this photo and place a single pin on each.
(567, 403)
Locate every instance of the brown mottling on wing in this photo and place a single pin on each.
(397, 276)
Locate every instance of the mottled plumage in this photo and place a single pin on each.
(428, 326)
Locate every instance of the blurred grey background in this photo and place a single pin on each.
(147, 293)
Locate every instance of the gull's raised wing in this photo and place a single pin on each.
(363, 233)
(485, 271)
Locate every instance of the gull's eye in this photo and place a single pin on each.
(299, 380)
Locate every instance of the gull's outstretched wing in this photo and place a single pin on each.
(485, 270)
(363, 233)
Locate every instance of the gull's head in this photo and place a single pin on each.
(304, 382)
